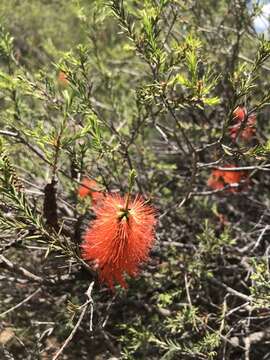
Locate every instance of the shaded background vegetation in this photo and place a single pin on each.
(151, 86)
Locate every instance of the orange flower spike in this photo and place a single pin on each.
(216, 181)
(120, 238)
(88, 188)
(220, 178)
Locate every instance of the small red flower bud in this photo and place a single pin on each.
(246, 132)
(62, 79)
(90, 188)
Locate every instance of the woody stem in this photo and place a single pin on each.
(127, 201)
(131, 180)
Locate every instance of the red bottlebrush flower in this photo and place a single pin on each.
(88, 188)
(62, 79)
(119, 239)
(221, 178)
(246, 132)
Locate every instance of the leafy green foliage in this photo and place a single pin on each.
(140, 96)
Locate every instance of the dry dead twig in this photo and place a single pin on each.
(84, 307)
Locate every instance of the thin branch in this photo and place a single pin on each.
(21, 303)
(84, 307)
(20, 270)
(230, 290)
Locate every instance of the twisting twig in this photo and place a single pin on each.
(252, 338)
(20, 270)
(84, 307)
(230, 290)
(21, 303)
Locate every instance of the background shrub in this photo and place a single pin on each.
(98, 90)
